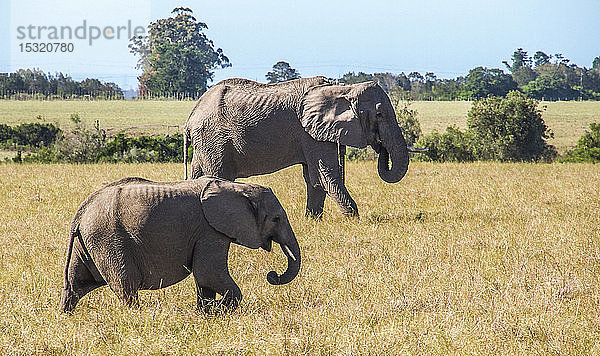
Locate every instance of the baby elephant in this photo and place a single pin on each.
(137, 234)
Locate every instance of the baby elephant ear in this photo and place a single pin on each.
(228, 211)
(327, 114)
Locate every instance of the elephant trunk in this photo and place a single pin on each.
(290, 248)
(393, 149)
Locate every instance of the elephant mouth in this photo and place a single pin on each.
(267, 244)
(377, 145)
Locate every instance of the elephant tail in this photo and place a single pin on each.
(72, 235)
(186, 134)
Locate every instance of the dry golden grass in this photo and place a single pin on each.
(456, 258)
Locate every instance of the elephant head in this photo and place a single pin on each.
(357, 115)
(253, 217)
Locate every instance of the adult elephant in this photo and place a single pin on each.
(241, 128)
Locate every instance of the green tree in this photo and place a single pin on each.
(176, 56)
(14, 83)
(550, 85)
(351, 78)
(520, 68)
(541, 58)
(510, 129)
(481, 82)
(519, 59)
(596, 64)
(282, 72)
(523, 75)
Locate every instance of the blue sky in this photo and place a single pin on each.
(317, 37)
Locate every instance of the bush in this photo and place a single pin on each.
(82, 145)
(123, 148)
(509, 129)
(6, 133)
(503, 129)
(453, 146)
(408, 122)
(36, 134)
(588, 147)
(32, 135)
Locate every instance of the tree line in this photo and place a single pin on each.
(542, 77)
(34, 83)
(178, 61)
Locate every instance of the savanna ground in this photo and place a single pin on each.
(568, 120)
(456, 258)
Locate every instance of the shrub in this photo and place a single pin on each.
(89, 145)
(588, 147)
(408, 122)
(82, 145)
(35, 134)
(32, 135)
(6, 133)
(509, 129)
(123, 148)
(452, 145)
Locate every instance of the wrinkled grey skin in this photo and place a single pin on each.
(241, 128)
(137, 234)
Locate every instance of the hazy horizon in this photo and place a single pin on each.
(317, 38)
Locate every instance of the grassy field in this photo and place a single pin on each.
(568, 120)
(129, 115)
(456, 258)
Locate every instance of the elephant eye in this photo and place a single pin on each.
(276, 219)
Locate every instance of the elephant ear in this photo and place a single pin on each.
(230, 212)
(328, 113)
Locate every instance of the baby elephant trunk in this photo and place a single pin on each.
(289, 246)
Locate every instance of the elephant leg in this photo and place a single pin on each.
(211, 273)
(315, 196)
(323, 167)
(122, 276)
(80, 282)
(335, 188)
(127, 291)
(231, 294)
(218, 162)
(333, 182)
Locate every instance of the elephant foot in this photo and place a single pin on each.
(352, 214)
(208, 306)
(314, 214)
(68, 301)
(217, 306)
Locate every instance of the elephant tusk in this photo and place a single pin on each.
(415, 149)
(287, 249)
